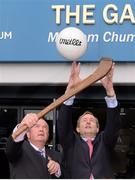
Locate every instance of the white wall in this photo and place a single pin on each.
(58, 72)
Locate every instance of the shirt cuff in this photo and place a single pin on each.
(111, 102)
(70, 101)
(58, 173)
(21, 136)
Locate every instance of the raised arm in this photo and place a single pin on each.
(64, 124)
(113, 111)
(14, 146)
(74, 77)
(107, 83)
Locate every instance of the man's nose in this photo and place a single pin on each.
(88, 122)
(40, 128)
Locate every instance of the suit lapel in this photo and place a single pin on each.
(39, 161)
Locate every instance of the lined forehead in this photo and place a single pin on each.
(42, 122)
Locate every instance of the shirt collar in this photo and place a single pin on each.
(86, 139)
(36, 148)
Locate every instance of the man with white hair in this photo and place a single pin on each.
(30, 159)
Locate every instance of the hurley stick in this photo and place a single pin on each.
(103, 68)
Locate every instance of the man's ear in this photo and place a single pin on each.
(97, 130)
(78, 129)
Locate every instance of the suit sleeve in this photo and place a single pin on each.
(112, 127)
(13, 149)
(64, 126)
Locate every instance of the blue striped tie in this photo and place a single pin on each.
(41, 153)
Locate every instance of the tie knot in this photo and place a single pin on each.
(89, 141)
(41, 152)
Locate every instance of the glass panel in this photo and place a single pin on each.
(8, 120)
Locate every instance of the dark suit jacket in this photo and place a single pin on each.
(76, 151)
(25, 162)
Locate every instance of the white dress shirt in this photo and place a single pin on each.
(110, 101)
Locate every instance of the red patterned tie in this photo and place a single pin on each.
(89, 142)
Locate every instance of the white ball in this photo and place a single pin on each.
(71, 43)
